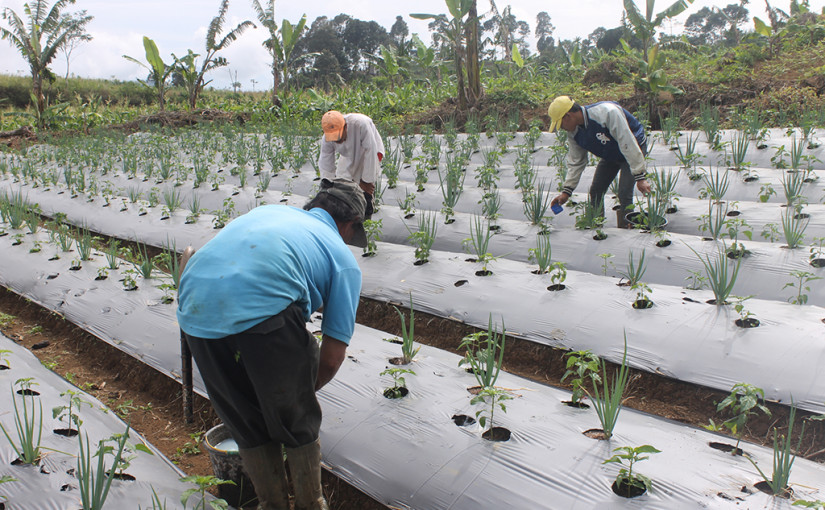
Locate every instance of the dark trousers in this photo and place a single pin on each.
(606, 171)
(262, 381)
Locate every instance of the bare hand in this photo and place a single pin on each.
(369, 187)
(560, 199)
(643, 186)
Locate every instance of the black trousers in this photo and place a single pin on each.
(262, 381)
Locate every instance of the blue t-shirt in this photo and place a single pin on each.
(262, 262)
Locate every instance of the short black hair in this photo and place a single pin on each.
(575, 108)
(339, 211)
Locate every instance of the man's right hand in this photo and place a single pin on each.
(560, 199)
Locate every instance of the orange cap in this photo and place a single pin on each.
(333, 125)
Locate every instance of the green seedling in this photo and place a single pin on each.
(67, 412)
(783, 457)
(721, 278)
(408, 349)
(493, 397)
(642, 295)
(558, 273)
(28, 423)
(204, 483)
(635, 269)
(583, 365)
(484, 352)
(608, 400)
(399, 384)
(372, 229)
(744, 314)
(626, 480)
(801, 285)
(541, 254)
(424, 237)
(743, 402)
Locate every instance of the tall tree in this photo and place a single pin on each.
(399, 32)
(544, 32)
(645, 26)
(27, 37)
(210, 59)
(76, 37)
(507, 30)
(280, 44)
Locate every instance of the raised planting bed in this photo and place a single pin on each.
(53, 481)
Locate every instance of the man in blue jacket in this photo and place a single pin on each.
(244, 301)
(610, 132)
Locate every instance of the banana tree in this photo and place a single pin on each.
(159, 70)
(27, 36)
(280, 44)
(644, 27)
(651, 78)
(457, 32)
(388, 63)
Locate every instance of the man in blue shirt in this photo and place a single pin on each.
(611, 133)
(244, 301)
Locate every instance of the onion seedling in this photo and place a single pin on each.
(424, 237)
(541, 254)
(28, 422)
(408, 349)
(783, 458)
(721, 278)
(794, 224)
(94, 483)
(484, 352)
(608, 400)
(536, 203)
(635, 270)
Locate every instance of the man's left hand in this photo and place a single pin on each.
(644, 186)
(369, 187)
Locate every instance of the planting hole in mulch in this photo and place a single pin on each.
(736, 254)
(459, 283)
(472, 390)
(369, 254)
(450, 221)
(55, 257)
(408, 216)
(801, 216)
(420, 262)
(496, 434)
(484, 272)
(284, 200)
(28, 392)
(628, 490)
(65, 432)
(52, 276)
(398, 360)
(577, 405)
(672, 209)
(664, 243)
(4, 367)
(725, 447)
(394, 341)
(41, 345)
(747, 323)
(713, 302)
(495, 228)
(74, 268)
(595, 434)
(394, 393)
(818, 262)
(471, 259)
(642, 304)
(101, 277)
(763, 486)
(600, 236)
(733, 213)
(556, 286)
(462, 420)
(126, 477)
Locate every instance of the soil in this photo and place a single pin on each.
(152, 401)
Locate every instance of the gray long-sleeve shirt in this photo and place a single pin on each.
(358, 153)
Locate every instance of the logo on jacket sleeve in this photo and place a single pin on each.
(603, 138)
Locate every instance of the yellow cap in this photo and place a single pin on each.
(557, 109)
(333, 125)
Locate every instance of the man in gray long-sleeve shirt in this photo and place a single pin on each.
(354, 137)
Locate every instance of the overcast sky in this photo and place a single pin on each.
(177, 25)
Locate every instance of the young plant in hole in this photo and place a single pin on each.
(4, 361)
(145, 264)
(783, 457)
(793, 227)
(627, 480)
(84, 243)
(587, 216)
(635, 269)
(204, 483)
(479, 242)
(28, 422)
(399, 384)
(407, 204)
(716, 184)
(801, 285)
(490, 207)
(817, 252)
(583, 365)
(424, 237)
(743, 402)
(493, 397)
(484, 352)
(608, 399)
(765, 192)
(452, 184)
(67, 412)
(734, 225)
(540, 255)
(129, 282)
(536, 203)
(408, 349)
(558, 274)
(721, 278)
(372, 229)
(746, 318)
(642, 295)
(605, 261)
(94, 483)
